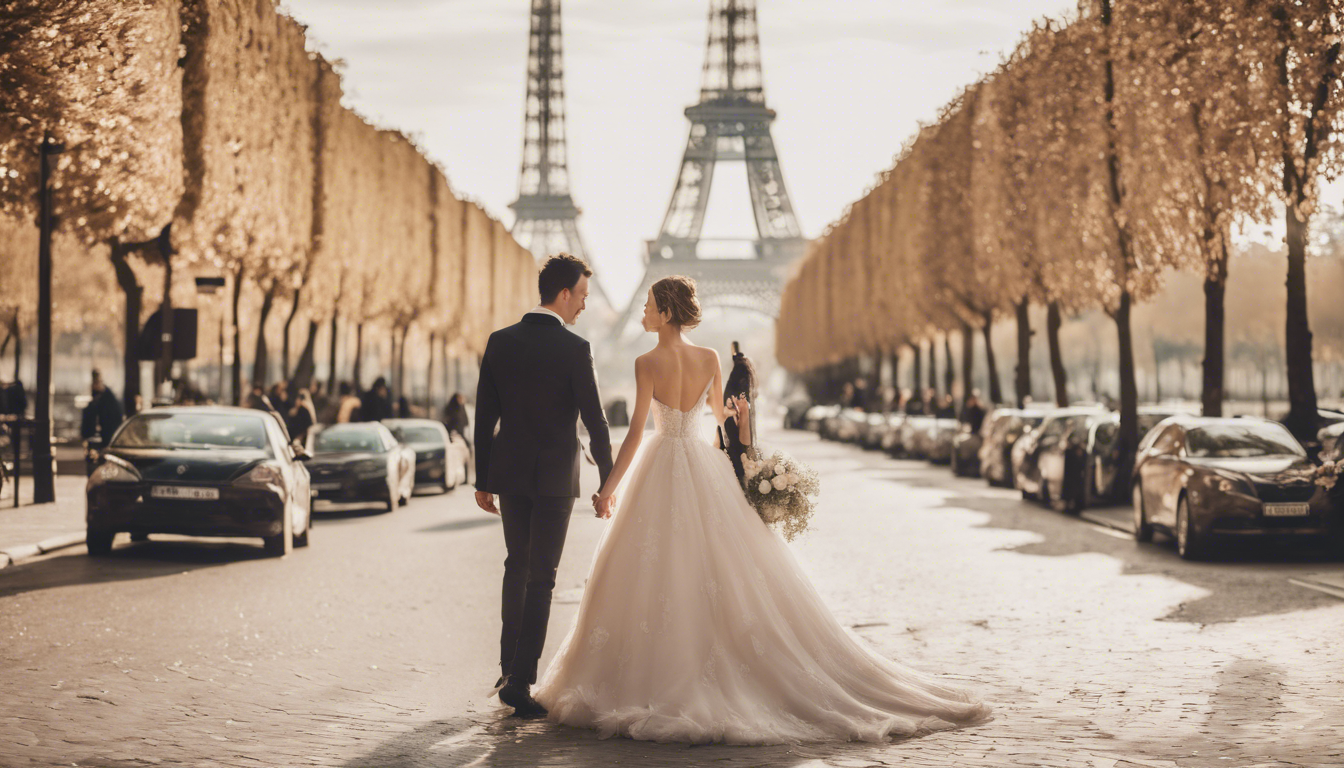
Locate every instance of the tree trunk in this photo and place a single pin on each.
(429, 374)
(949, 370)
(163, 368)
(18, 346)
(133, 293)
(358, 372)
(1023, 381)
(332, 376)
(1127, 441)
(302, 376)
(1215, 290)
(995, 389)
(933, 366)
(967, 361)
(917, 371)
(1302, 415)
(236, 373)
(285, 371)
(402, 389)
(1052, 322)
(260, 361)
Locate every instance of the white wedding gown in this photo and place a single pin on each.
(698, 625)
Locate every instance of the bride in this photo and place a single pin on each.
(697, 624)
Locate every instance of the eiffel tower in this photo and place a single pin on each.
(546, 218)
(730, 123)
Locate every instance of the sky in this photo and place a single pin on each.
(851, 80)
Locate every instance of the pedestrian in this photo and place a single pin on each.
(301, 417)
(947, 408)
(279, 395)
(455, 418)
(102, 415)
(404, 407)
(376, 404)
(972, 412)
(859, 396)
(258, 400)
(914, 404)
(348, 406)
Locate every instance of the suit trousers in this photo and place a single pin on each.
(534, 535)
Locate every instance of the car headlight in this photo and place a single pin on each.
(1225, 484)
(262, 475)
(115, 470)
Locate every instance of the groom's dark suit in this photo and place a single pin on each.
(537, 379)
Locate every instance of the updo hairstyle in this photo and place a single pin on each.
(675, 295)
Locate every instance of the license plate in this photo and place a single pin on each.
(326, 486)
(1287, 510)
(184, 492)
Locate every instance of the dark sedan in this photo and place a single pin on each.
(1041, 455)
(207, 471)
(1202, 479)
(361, 462)
(1083, 472)
(1004, 427)
(441, 458)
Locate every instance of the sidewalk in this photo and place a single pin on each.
(33, 529)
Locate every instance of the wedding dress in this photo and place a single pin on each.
(698, 625)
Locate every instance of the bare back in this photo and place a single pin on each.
(680, 374)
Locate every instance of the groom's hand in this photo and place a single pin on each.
(486, 501)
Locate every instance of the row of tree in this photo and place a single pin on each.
(204, 138)
(1109, 149)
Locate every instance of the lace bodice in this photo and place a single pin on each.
(675, 423)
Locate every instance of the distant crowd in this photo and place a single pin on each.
(300, 411)
(857, 394)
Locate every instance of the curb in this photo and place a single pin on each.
(1102, 520)
(13, 555)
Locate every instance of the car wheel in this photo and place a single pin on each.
(282, 543)
(99, 542)
(1143, 530)
(301, 539)
(1190, 544)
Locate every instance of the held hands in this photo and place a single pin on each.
(486, 501)
(604, 505)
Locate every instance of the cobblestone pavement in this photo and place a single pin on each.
(375, 647)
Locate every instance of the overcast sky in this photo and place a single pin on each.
(850, 80)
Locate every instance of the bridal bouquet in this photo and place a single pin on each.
(781, 490)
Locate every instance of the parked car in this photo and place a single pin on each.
(1089, 459)
(795, 414)
(966, 449)
(1005, 426)
(917, 436)
(1041, 455)
(815, 420)
(873, 430)
(851, 425)
(361, 462)
(200, 471)
(441, 458)
(891, 433)
(1205, 479)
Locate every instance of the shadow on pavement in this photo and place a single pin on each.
(461, 525)
(141, 560)
(349, 511)
(1235, 590)
(503, 742)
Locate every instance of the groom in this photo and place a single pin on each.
(537, 378)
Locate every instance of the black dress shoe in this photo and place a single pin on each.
(516, 695)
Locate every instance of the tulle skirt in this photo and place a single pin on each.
(698, 625)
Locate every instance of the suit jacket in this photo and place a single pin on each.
(537, 379)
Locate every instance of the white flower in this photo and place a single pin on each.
(792, 479)
(764, 487)
(779, 468)
(780, 482)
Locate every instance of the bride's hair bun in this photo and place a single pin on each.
(675, 295)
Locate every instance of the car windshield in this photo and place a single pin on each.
(176, 431)
(1240, 441)
(347, 441)
(419, 435)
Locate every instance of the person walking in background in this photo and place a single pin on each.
(347, 409)
(376, 404)
(301, 417)
(973, 413)
(914, 404)
(280, 398)
(101, 417)
(258, 400)
(455, 418)
(947, 408)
